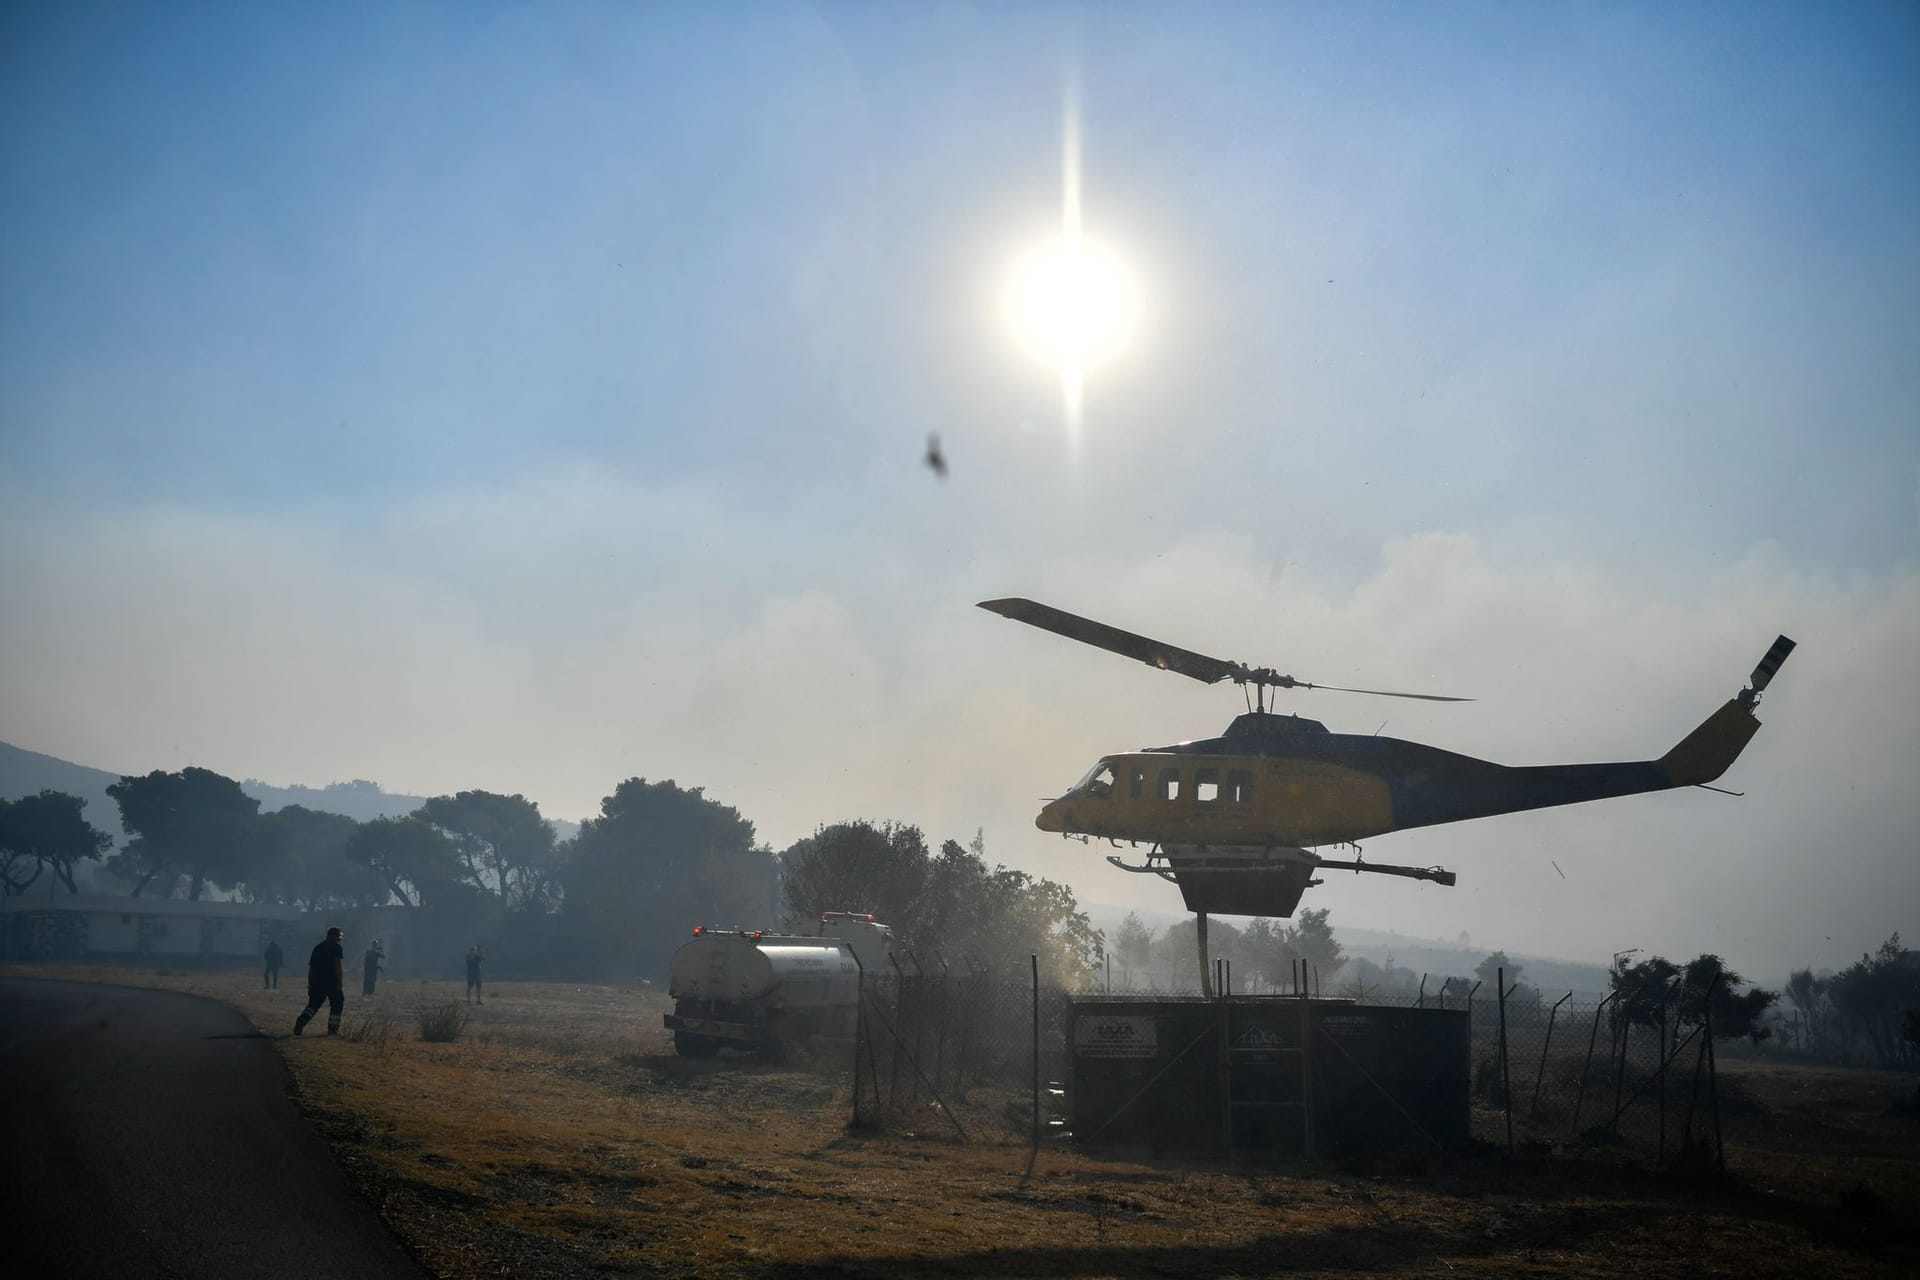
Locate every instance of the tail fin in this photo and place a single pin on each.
(1711, 749)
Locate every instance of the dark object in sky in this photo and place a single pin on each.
(936, 459)
(1235, 820)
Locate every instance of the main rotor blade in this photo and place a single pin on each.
(1382, 693)
(1167, 657)
(1763, 674)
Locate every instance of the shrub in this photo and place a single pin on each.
(374, 1029)
(442, 1023)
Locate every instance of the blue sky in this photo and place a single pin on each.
(531, 340)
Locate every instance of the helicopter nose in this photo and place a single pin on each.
(1052, 816)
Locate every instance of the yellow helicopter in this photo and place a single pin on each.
(1235, 820)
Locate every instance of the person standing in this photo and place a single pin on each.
(475, 957)
(370, 967)
(326, 982)
(271, 978)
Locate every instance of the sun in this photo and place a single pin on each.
(1072, 305)
(1071, 302)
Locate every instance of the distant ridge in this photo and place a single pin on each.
(360, 800)
(23, 772)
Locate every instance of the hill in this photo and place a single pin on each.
(23, 772)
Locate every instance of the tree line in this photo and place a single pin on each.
(1868, 1012)
(614, 900)
(1263, 954)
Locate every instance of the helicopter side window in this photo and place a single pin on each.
(1137, 787)
(1169, 784)
(1239, 786)
(1206, 785)
(1100, 782)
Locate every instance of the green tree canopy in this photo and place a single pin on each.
(45, 832)
(1683, 990)
(306, 863)
(951, 907)
(883, 868)
(1176, 953)
(505, 847)
(410, 856)
(1272, 950)
(1313, 941)
(1497, 963)
(1873, 994)
(659, 860)
(195, 823)
(1132, 943)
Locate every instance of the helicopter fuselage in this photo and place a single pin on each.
(1283, 781)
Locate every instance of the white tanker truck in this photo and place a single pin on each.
(758, 990)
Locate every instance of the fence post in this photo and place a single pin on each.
(1620, 1068)
(859, 1027)
(1660, 1072)
(1713, 1080)
(1036, 1051)
(1693, 1095)
(1206, 978)
(969, 996)
(1533, 1111)
(1420, 1002)
(940, 1061)
(1506, 1087)
(1306, 1065)
(1593, 1039)
(1224, 1076)
(914, 1013)
(899, 1008)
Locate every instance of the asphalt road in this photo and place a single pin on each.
(152, 1134)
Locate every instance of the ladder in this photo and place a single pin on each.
(1263, 1063)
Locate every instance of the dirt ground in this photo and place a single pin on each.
(558, 1136)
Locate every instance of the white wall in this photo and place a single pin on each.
(113, 931)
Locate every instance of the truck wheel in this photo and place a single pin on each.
(692, 1046)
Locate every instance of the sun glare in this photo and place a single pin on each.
(1071, 304)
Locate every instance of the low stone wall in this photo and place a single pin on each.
(61, 937)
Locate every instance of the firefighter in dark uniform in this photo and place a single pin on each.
(370, 966)
(326, 982)
(271, 977)
(475, 958)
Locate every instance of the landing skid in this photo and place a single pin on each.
(1439, 875)
(1148, 870)
(1226, 864)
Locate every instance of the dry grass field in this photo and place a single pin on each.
(559, 1136)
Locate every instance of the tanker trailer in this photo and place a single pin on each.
(759, 990)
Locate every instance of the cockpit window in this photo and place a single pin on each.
(1098, 784)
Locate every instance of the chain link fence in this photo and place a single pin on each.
(1622, 1075)
(981, 1055)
